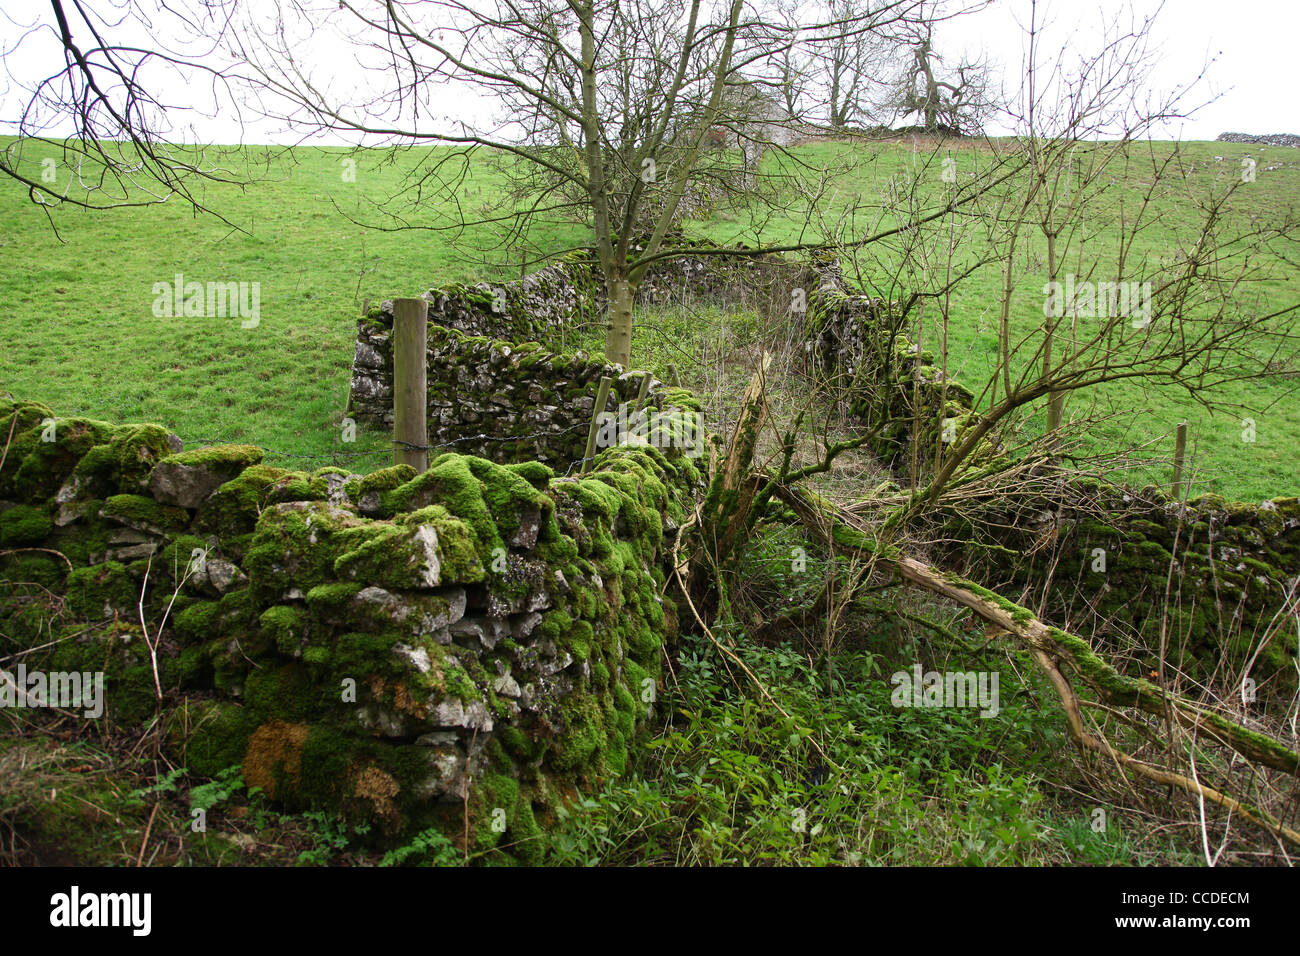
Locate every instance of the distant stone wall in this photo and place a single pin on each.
(1269, 139)
(519, 402)
(408, 649)
(496, 386)
(505, 401)
(859, 345)
(1237, 564)
(761, 282)
(522, 310)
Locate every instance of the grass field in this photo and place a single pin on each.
(1126, 414)
(80, 333)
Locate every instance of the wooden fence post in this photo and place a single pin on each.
(1180, 452)
(598, 409)
(410, 383)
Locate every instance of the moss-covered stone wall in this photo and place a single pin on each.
(501, 400)
(500, 384)
(1236, 559)
(1100, 554)
(464, 647)
(858, 344)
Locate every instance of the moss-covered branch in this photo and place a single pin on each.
(1053, 648)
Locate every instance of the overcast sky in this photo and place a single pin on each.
(1249, 46)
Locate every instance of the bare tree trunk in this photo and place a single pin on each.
(618, 334)
(1056, 401)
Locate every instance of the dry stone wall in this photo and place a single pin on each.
(1236, 562)
(1105, 554)
(501, 400)
(1268, 139)
(1102, 554)
(858, 343)
(497, 385)
(405, 648)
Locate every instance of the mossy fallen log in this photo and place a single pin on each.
(1054, 649)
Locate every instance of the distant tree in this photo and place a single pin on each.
(840, 81)
(954, 101)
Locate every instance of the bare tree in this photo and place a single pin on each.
(1176, 315)
(1183, 320)
(838, 81)
(954, 101)
(611, 107)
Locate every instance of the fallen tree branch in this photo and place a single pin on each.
(727, 504)
(1052, 647)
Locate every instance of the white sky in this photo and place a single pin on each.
(1249, 45)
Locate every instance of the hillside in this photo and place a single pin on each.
(81, 334)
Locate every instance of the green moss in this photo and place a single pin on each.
(286, 626)
(581, 735)
(299, 486)
(490, 498)
(1020, 615)
(616, 754)
(134, 451)
(283, 693)
(462, 561)
(96, 475)
(316, 655)
(121, 654)
(96, 592)
(198, 622)
(145, 514)
(534, 472)
(194, 669)
(211, 735)
(297, 545)
(35, 468)
(577, 636)
(233, 509)
(626, 711)
(41, 569)
(556, 626)
(520, 745)
(679, 398)
(398, 556)
(636, 677)
(177, 555)
(237, 645)
(527, 840)
(357, 655)
(28, 415)
(24, 525)
(1099, 674)
(497, 797)
(847, 537)
(328, 598)
(231, 459)
(1288, 507)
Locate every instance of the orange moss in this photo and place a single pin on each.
(274, 756)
